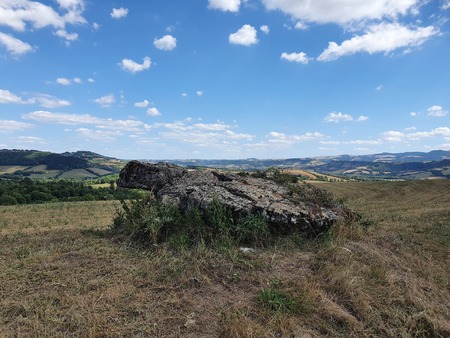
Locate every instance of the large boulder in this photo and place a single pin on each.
(241, 194)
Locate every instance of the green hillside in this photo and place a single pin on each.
(44, 165)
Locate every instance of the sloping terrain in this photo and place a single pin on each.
(43, 165)
(63, 274)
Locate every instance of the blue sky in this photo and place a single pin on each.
(229, 79)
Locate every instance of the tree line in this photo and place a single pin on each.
(29, 191)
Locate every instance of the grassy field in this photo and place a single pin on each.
(64, 275)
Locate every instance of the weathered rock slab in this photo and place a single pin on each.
(242, 195)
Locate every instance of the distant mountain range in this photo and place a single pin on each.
(85, 164)
(409, 165)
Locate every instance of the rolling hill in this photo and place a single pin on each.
(39, 164)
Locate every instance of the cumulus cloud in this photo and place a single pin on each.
(105, 136)
(7, 97)
(436, 111)
(338, 117)
(30, 140)
(397, 136)
(414, 114)
(362, 118)
(384, 37)
(106, 101)
(296, 57)
(48, 101)
(282, 138)
(265, 29)
(199, 93)
(14, 46)
(342, 11)
(446, 5)
(10, 125)
(44, 100)
(86, 119)
(24, 14)
(301, 25)
(68, 36)
(134, 67)
(167, 43)
(203, 134)
(17, 14)
(153, 112)
(63, 81)
(245, 36)
(118, 13)
(225, 5)
(143, 104)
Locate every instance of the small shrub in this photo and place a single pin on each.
(252, 229)
(148, 220)
(277, 301)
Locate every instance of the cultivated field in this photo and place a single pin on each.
(64, 275)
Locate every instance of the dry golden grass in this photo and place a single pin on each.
(43, 217)
(74, 280)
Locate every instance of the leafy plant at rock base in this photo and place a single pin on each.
(151, 221)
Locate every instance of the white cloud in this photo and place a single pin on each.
(393, 136)
(413, 114)
(397, 136)
(364, 142)
(384, 37)
(105, 136)
(7, 97)
(342, 11)
(204, 134)
(379, 88)
(225, 5)
(296, 57)
(86, 119)
(63, 81)
(43, 100)
(48, 101)
(153, 112)
(17, 14)
(13, 45)
(77, 80)
(362, 118)
(301, 25)
(282, 138)
(106, 101)
(338, 117)
(446, 5)
(90, 80)
(143, 104)
(9, 125)
(436, 111)
(265, 29)
(236, 136)
(245, 36)
(96, 26)
(167, 43)
(184, 95)
(68, 36)
(330, 142)
(199, 92)
(134, 67)
(118, 13)
(30, 140)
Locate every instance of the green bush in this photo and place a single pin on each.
(150, 221)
